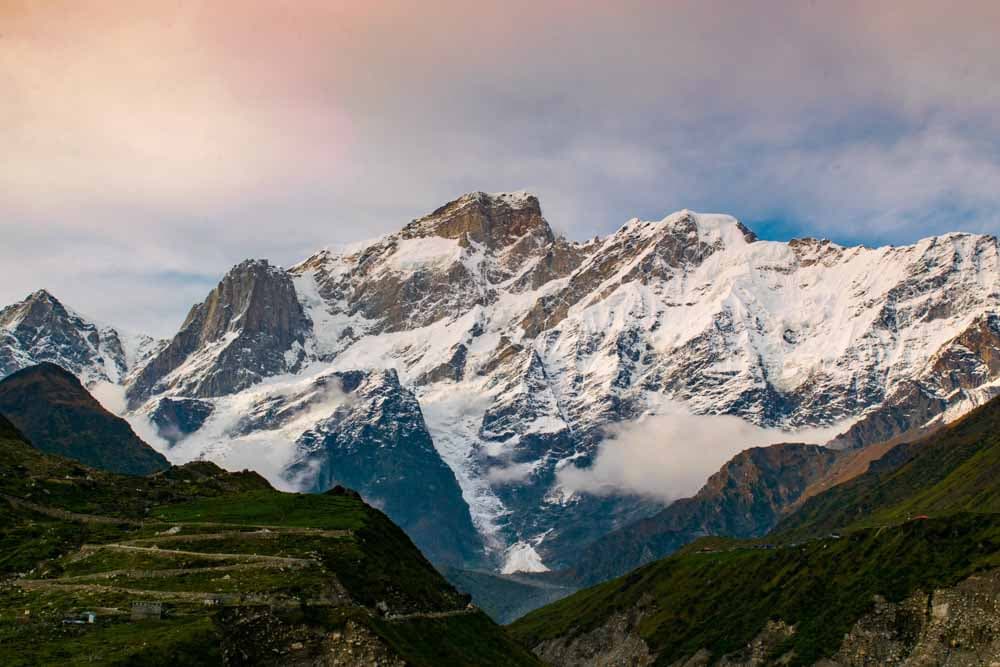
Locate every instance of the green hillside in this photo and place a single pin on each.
(954, 470)
(722, 598)
(821, 568)
(243, 574)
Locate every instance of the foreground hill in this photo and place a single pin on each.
(59, 416)
(924, 591)
(196, 566)
(858, 575)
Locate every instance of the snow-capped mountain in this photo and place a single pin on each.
(510, 350)
(40, 328)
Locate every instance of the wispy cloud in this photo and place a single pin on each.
(670, 455)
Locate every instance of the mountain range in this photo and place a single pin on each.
(453, 371)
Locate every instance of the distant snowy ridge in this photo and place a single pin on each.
(41, 328)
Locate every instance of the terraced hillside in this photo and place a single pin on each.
(198, 566)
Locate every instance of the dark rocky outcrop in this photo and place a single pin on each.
(377, 443)
(177, 418)
(57, 414)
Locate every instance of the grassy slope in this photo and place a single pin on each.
(375, 562)
(953, 470)
(722, 599)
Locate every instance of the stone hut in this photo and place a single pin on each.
(142, 610)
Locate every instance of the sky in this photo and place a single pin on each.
(147, 147)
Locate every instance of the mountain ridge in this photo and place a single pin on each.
(521, 347)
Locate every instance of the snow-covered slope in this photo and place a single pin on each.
(521, 347)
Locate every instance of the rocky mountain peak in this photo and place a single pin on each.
(705, 227)
(35, 309)
(42, 296)
(40, 328)
(249, 327)
(242, 300)
(493, 220)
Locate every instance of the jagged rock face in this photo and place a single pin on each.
(746, 498)
(375, 441)
(616, 642)
(41, 329)
(954, 626)
(250, 327)
(259, 636)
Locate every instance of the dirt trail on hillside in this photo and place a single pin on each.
(286, 560)
(173, 572)
(238, 535)
(68, 516)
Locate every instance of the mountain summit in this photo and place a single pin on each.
(494, 220)
(40, 328)
(249, 327)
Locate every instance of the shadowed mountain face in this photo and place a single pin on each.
(57, 414)
(376, 442)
